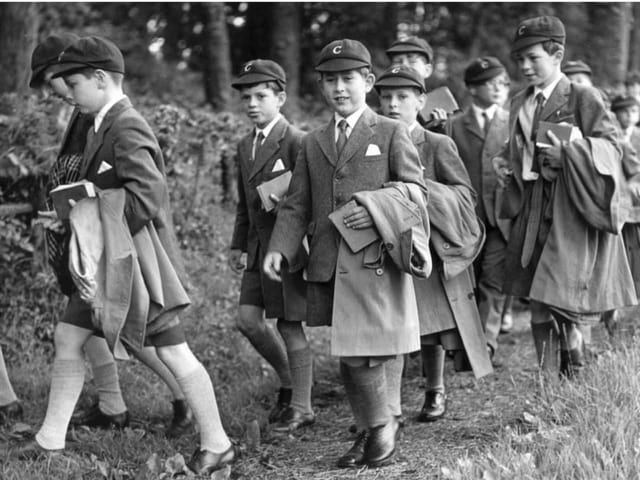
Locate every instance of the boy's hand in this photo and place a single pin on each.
(49, 220)
(236, 262)
(550, 158)
(358, 219)
(503, 170)
(438, 117)
(272, 265)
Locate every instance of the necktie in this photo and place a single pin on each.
(257, 144)
(342, 136)
(487, 123)
(536, 116)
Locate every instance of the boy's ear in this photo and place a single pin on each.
(282, 98)
(559, 55)
(428, 68)
(369, 80)
(102, 77)
(422, 100)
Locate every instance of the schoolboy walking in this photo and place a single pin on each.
(480, 133)
(563, 250)
(268, 152)
(124, 161)
(357, 151)
(449, 317)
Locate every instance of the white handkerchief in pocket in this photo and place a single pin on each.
(372, 149)
(278, 166)
(104, 167)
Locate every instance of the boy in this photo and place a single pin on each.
(627, 112)
(563, 252)
(110, 410)
(578, 72)
(267, 152)
(479, 133)
(448, 314)
(356, 151)
(122, 156)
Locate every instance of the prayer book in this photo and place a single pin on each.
(277, 186)
(70, 191)
(564, 131)
(356, 239)
(440, 97)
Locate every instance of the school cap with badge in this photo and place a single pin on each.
(411, 45)
(46, 54)
(576, 66)
(482, 69)
(259, 71)
(400, 76)
(621, 102)
(90, 52)
(342, 55)
(538, 30)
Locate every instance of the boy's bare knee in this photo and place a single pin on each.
(250, 321)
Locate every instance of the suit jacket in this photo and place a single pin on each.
(124, 153)
(477, 153)
(322, 182)
(580, 267)
(253, 225)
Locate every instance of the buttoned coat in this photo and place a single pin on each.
(253, 224)
(477, 152)
(581, 267)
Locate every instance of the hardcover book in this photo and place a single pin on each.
(440, 97)
(76, 191)
(563, 131)
(356, 239)
(277, 186)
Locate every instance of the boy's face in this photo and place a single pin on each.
(401, 103)
(628, 116)
(493, 91)
(415, 60)
(537, 66)
(86, 92)
(261, 103)
(346, 91)
(580, 79)
(633, 90)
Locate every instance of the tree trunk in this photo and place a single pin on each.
(217, 60)
(634, 55)
(286, 32)
(18, 37)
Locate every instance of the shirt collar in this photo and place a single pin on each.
(97, 121)
(413, 126)
(351, 119)
(491, 111)
(267, 130)
(548, 90)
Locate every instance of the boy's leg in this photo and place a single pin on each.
(393, 374)
(435, 401)
(10, 408)
(355, 455)
(571, 346)
(545, 336)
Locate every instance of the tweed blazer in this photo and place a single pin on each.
(378, 150)
(253, 224)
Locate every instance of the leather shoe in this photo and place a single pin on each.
(355, 455)
(182, 420)
(284, 400)
(292, 420)
(203, 462)
(435, 406)
(95, 418)
(10, 411)
(29, 449)
(381, 444)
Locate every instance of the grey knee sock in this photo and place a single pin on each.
(372, 387)
(105, 378)
(393, 374)
(353, 396)
(271, 349)
(433, 367)
(67, 379)
(301, 366)
(7, 395)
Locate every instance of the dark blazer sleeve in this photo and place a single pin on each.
(239, 239)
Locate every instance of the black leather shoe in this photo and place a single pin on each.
(10, 412)
(182, 420)
(571, 362)
(203, 462)
(292, 420)
(29, 449)
(96, 419)
(355, 455)
(435, 406)
(381, 444)
(284, 400)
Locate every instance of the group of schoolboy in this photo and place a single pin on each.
(397, 237)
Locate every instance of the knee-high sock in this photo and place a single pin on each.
(433, 367)
(301, 366)
(149, 357)
(372, 386)
(545, 338)
(199, 394)
(105, 378)
(67, 379)
(353, 396)
(7, 395)
(270, 347)
(393, 374)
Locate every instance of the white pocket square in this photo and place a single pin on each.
(278, 166)
(372, 149)
(104, 167)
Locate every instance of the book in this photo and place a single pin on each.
(440, 97)
(76, 191)
(277, 186)
(356, 239)
(564, 131)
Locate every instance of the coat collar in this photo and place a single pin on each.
(471, 124)
(270, 146)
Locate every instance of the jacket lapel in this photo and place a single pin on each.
(244, 151)
(327, 142)
(471, 124)
(361, 134)
(559, 97)
(270, 146)
(418, 136)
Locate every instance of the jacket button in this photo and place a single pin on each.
(446, 246)
(379, 271)
(389, 246)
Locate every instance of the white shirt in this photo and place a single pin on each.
(626, 133)
(103, 112)
(478, 112)
(351, 121)
(413, 126)
(266, 130)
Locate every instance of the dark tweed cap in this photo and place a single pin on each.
(621, 102)
(341, 55)
(93, 52)
(46, 54)
(482, 69)
(411, 45)
(400, 76)
(538, 30)
(258, 71)
(576, 66)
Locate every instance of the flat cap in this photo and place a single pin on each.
(92, 52)
(621, 102)
(400, 76)
(341, 55)
(411, 45)
(482, 69)
(46, 54)
(576, 66)
(537, 30)
(258, 71)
